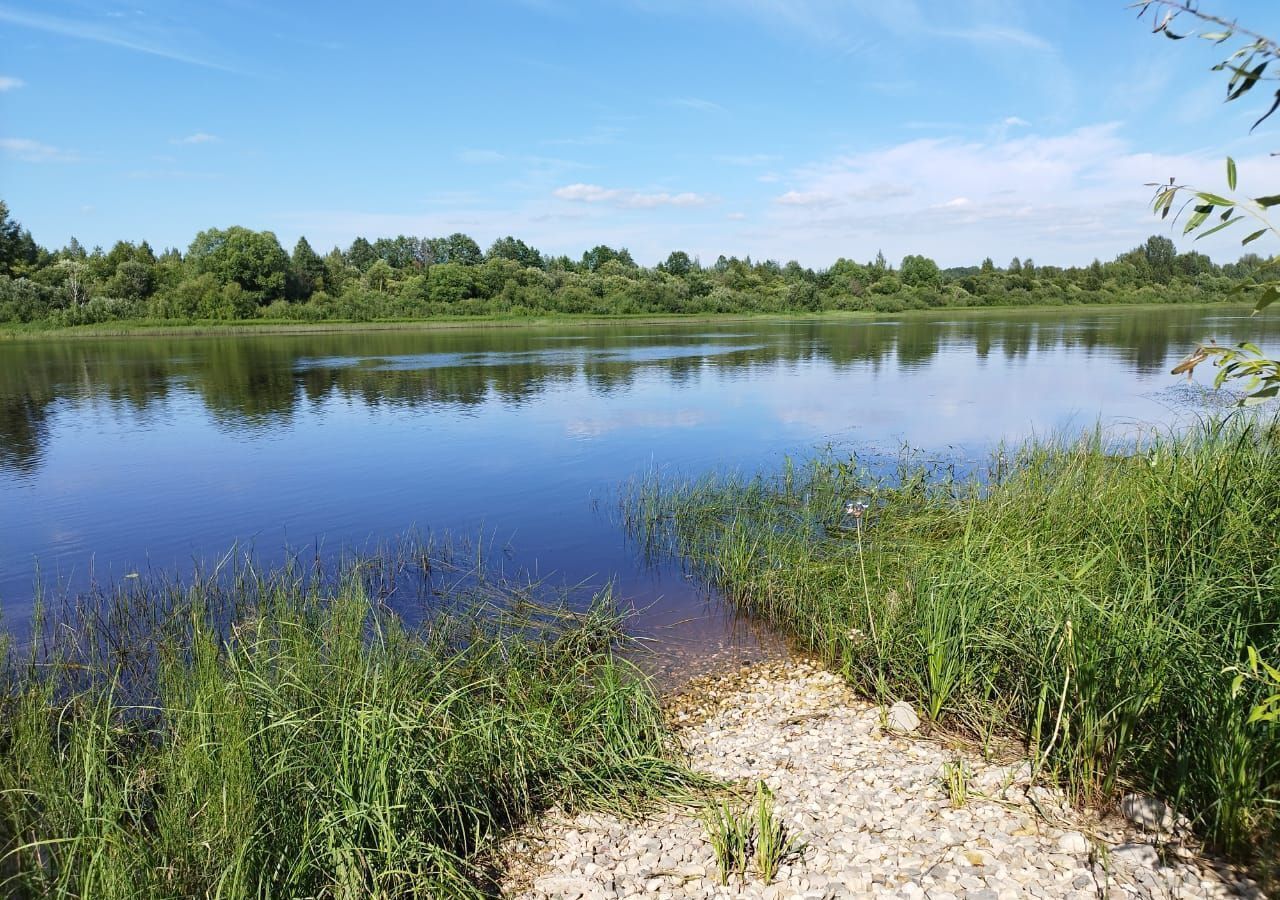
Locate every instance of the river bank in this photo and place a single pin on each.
(866, 797)
(169, 328)
(1094, 601)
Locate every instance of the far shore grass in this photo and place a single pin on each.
(211, 327)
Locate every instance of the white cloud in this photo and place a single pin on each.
(28, 150)
(200, 137)
(9, 83)
(1015, 121)
(629, 199)
(1061, 198)
(806, 198)
(736, 216)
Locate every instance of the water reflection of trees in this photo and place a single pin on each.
(255, 383)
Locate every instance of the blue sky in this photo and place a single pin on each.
(786, 129)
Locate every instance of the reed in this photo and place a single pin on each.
(1092, 598)
(281, 734)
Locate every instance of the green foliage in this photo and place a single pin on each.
(306, 271)
(251, 260)
(741, 834)
(1084, 597)
(280, 735)
(774, 843)
(1267, 677)
(1214, 212)
(728, 828)
(955, 778)
(241, 274)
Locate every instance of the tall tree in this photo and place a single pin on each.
(517, 251)
(306, 271)
(253, 260)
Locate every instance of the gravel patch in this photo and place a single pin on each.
(873, 810)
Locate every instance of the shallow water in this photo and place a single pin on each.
(122, 454)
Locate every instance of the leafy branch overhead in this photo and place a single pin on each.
(1212, 212)
(1248, 64)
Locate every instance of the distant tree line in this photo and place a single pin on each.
(236, 273)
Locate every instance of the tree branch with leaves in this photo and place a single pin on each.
(1211, 212)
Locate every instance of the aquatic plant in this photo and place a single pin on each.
(1092, 600)
(279, 734)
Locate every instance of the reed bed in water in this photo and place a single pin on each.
(1084, 597)
(281, 734)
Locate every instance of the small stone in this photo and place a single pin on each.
(1136, 856)
(1073, 842)
(1147, 812)
(902, 717)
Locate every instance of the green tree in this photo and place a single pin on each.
(597, 256)
(252, 260)
(678, 264)
(920, 271)
(360, 255)
(461, 249)
(517, 251)
(133, 280)
(306, 271)
(17, 248)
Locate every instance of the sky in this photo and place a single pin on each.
(781, 129)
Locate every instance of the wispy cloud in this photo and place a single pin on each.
(27, 150)
(630, 199)
(997, 34)
(9, 83)
(481, 157)
(200, 137)
(696, 103)
(806, 198)
(164, 46)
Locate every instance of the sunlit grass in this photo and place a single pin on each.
(1084, 597)
(279, 735)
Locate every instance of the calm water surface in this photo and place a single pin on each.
(117, 454)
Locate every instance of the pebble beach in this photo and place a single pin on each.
(863, 792)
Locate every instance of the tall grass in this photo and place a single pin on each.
(273, 735)
(1085, 597)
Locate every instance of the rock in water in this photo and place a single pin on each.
(901, 717)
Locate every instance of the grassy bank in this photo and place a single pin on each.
(281, 735)
(196, 328)
(1084, 598)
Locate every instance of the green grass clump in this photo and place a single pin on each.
(1094, 600)
(289, 738)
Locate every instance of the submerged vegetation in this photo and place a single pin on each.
(1095, 601)
(244, 275)
(282, 734)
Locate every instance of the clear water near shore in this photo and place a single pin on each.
(118, 455)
